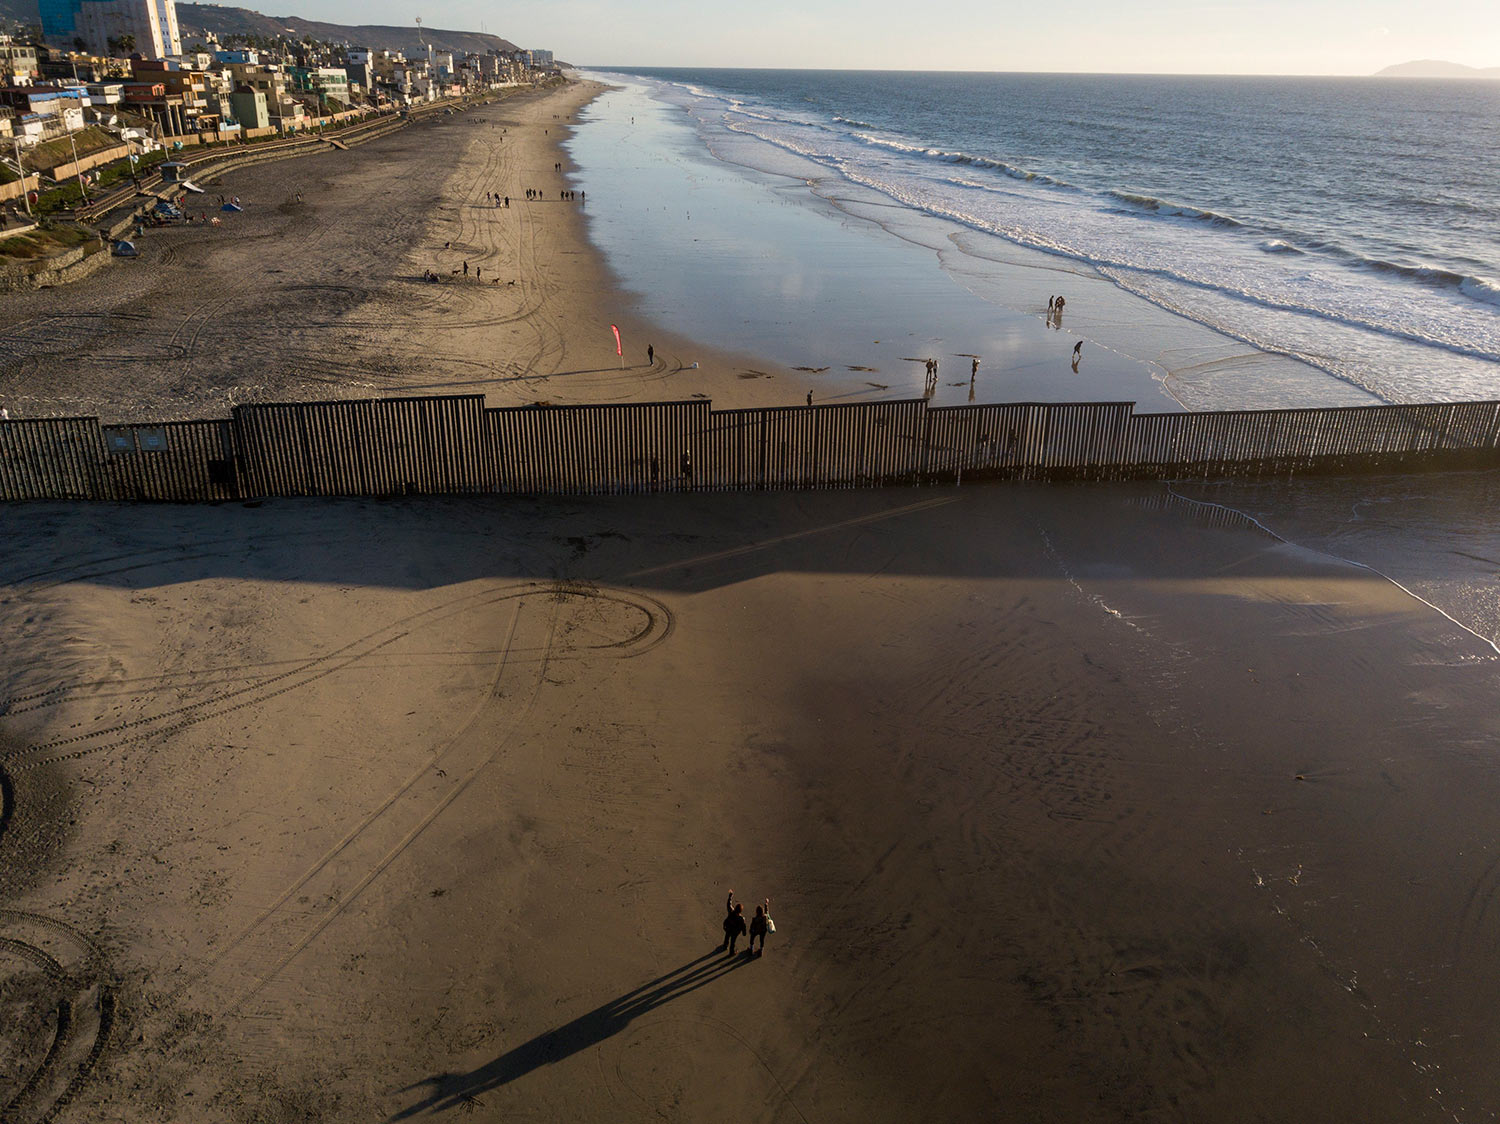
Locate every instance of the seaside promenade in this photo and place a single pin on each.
(1074, 803)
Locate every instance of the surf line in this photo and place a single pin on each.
(1347, 561)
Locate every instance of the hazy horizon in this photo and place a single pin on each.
(625, 67)
(1284, 38)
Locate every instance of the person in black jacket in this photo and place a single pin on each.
(734, 923)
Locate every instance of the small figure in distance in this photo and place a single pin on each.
(651, 354)
(734, 923)
(973, 368)
(1077, 351)
(809, 398)
(760, 924)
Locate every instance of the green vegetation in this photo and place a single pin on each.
(88, 141)
(42, 243)
(66, 195)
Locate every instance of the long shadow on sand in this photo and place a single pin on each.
(452, 1090)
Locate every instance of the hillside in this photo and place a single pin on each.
(1434, 68)
(196, 19)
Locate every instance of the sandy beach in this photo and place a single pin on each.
(325, 298)
(1073, 803)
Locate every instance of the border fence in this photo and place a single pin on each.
(445, 445)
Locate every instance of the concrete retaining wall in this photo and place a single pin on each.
(72, 265)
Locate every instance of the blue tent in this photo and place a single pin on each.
(231, 207)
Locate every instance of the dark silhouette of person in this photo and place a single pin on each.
(974, 368)
(809, 398)
(687, 464)
(758, 926)
(1077, 351)
(650, 354)
(734, 923)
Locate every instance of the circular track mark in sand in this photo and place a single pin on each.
(605, 621)
(57, 1007)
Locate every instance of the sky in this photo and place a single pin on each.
(1100, 36)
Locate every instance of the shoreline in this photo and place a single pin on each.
(898, 269)
(205, 319)
(316, 291)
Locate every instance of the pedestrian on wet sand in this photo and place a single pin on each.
(650, 354)
(734, 923)
(809, 398)
(974, 368)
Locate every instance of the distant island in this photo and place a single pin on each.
(1435, 68)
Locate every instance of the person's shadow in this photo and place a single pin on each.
(452, 1090)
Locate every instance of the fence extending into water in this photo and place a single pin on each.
(455, 444)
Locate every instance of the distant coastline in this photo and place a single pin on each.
(1436, 68)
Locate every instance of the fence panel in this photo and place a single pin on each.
(181, 462)
(453, 444)
(53, 459)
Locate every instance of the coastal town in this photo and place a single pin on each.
(103, 90)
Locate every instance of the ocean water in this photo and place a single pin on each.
(1351, 225)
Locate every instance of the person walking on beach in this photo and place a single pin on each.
(466, 268)
(809, 398)
(760, 924)
(734, 923)
(1077, 351)
(650, 355)
(973, 368)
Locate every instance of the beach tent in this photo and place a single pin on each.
(231, 207)
(124, 249)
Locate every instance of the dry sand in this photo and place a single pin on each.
(1075, 803)
(326, 299)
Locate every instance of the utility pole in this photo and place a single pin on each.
(82, 190)
(21, 169)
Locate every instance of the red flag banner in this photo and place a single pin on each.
(617, 339)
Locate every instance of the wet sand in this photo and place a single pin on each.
(1074, 803)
